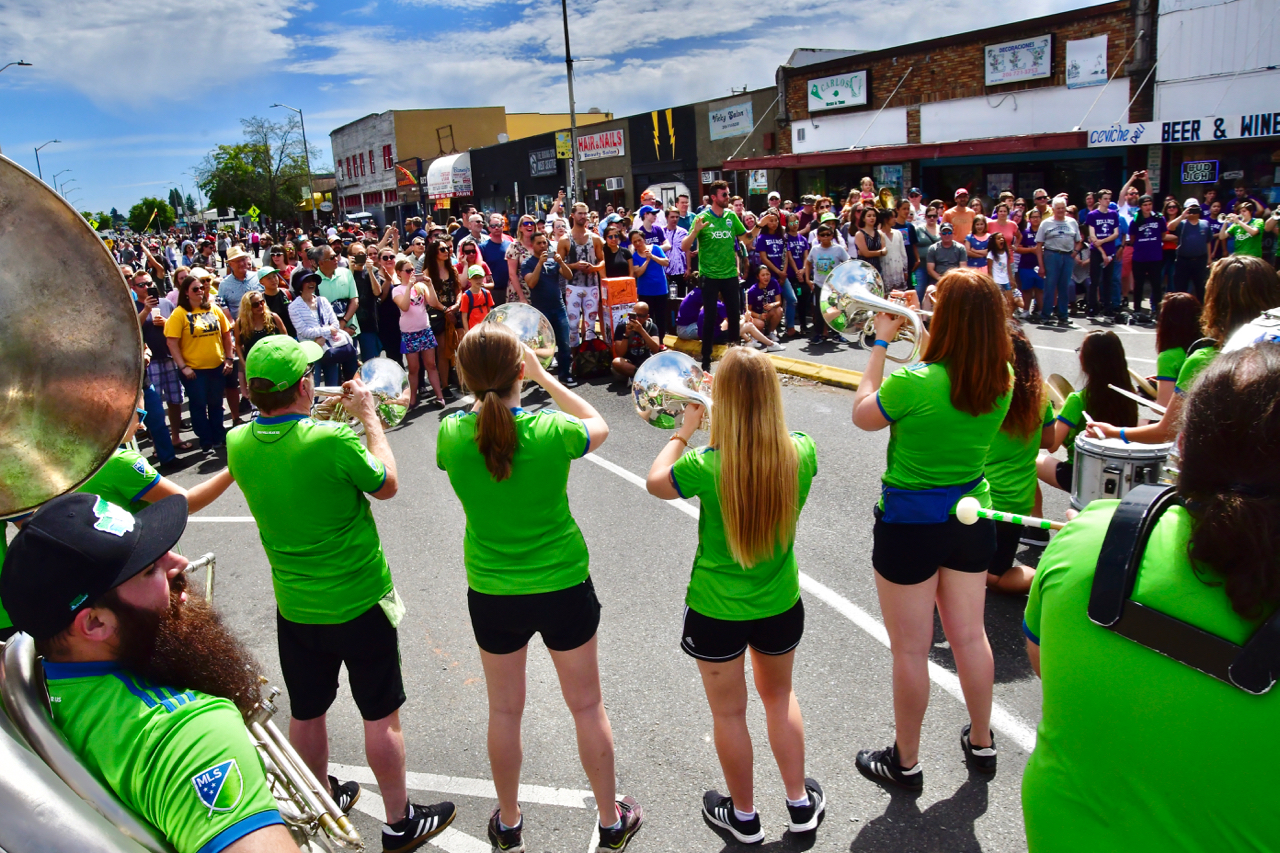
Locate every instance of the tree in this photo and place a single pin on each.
(140, 215)
(175, 200)
(104, 220)
(116, 218)
(87, 214)
(191, 203)
(267, 169)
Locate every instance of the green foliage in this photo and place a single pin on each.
(87, 214)
(267, 169)
(175, 200)
(104, 220)
(140, 214)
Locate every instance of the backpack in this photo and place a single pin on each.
(591, 359)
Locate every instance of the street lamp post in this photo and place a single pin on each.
(19, 63)
(38, 147)
(306, 153)
(573, 115)
(63, 189)
(63, 172)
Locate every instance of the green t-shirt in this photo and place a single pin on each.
(340, 290)
(123, 481)
(1120, 753)
(1168, 363)
(931, 442)
(717, 253)
(1072, 414)
(5, 621)
(181, 761)
(1191, 368)
(720, 587)
(1246, 245)
(1011, 468)
(521, 538)
(305, 482)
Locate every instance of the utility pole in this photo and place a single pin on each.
(573, 116)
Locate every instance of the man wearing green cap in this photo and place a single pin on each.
(335, 601)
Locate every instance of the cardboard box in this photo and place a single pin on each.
(618, 291)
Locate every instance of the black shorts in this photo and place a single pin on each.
(717, 640)
(909, 554)
(1008, 535)
(311, 655)
(1063, 474)
(566, 618)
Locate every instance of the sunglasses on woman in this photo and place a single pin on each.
(468, 251)
(388, 258)
(526, 224)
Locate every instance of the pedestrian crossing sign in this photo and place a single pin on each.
(253, 213)
(93, 223)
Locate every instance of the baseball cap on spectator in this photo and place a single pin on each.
(946, 228)
(775, 194)
(201, 273)
(475, 270)
(646, 210)
(915, 193)
(267, 271)
(1190, 203)
(282, 362)
(828, 217)
(961, 191)
(310, 275)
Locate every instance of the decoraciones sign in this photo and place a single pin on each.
(1014, 61)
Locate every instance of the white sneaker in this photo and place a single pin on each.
(756, 345)
(775, 347)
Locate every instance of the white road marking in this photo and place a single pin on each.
(223, 519)
(451, 840)
(1021, 733)
(1129, 330)
(464, 787)
(1060, 349)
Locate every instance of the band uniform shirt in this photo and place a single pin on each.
(1169, 364)
(181, 761)
(521, 537)
(717, 244)
(917, 402)
(305, 483)
(1072, 414)
(1107, 696)
(719, 586)
(1193, 366)
(123, 480)
(199, 335)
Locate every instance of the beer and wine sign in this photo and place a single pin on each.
(1201, 129)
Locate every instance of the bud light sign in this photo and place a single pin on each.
(1200, 172)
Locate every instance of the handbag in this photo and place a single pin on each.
(341, 352)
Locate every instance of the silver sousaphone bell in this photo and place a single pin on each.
(665, 384)
(386, 381)
(851, 297)
(530, 325)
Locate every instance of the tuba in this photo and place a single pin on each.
(851, 297)
(665, 384)
(530, 325)
(384, 378)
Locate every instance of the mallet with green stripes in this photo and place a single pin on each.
(969, 510)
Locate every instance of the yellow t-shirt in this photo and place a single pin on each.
(199, 335)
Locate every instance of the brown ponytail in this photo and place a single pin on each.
(1230, 476)
(488, 360)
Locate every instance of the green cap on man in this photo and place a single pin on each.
(281, 360)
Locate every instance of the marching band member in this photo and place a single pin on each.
(1240, 288)
(146, 685)
(1116, 764)
(943, 415)
(1103, 363)
(1011, 463)
(527, 573)
(336, 605)
(751, 481)
(1176, 330)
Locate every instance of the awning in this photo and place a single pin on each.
(449, 177)
(1036, 142)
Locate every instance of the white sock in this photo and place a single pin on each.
(803, 801)
(616, 824)
(502, 826)
(744, 816)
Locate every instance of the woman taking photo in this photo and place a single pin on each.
(751, 481)
(649, 269)
(443, 314)
(868, 240)
(527, 573)
(1176, 330)
(520, 250)
(199, 339)
(921, 553)
(384, 270)
(417, 341)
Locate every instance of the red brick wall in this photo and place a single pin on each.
(948, 69)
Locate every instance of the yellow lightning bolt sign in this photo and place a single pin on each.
(671, 131)
(656, 151)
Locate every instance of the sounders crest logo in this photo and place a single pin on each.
(220, 787)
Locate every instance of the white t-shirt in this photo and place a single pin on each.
(999, 267)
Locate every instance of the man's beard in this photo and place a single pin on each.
(187, 647)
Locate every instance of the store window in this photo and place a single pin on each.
(387, 161)
(371, 167)
(1223, 167)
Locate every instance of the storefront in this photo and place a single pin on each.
(449, 183)
(665, 161)
(520, 176)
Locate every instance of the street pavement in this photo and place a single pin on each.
(641, 551)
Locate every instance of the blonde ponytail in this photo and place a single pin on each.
(488, 359)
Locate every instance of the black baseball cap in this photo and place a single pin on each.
(311, 275)
(77, 547)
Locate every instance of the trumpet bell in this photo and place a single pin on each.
(665, 384)
(384, 378)
(530, 325)
(1059, 388)
(851, 297)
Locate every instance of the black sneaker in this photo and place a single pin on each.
(421, 825)
(345, 794)
(1034, 317)
(718, 810)
(506, 840)
(618, 838)
(807, 818)
(1066, 323)
(881, 766)
(1034, 537)
(981, 758)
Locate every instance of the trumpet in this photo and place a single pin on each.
(530, 325)
(853, 295)
(665, 385)
(385, 379)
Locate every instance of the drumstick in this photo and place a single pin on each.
(969, 510)
(1091, 428)
(1140, 400)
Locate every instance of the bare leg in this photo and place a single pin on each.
(726, 685)
(415, 369)
(962, 599)
(384, 747)
(782, 712)
(433, 375)
(504, 677)
(579, 671)
(311, 740)
(175, 422)
(908, 616)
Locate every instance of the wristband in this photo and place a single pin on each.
(880, 343)
(679, 438)
(1123, 437)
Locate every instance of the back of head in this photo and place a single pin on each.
(1230, 474)
(758, 463)
(1103, 361)
(1240, 287)
(1179, 324)
(1026, 409)
(970, 334)
(488, 359)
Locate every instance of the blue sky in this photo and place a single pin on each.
(140, 90)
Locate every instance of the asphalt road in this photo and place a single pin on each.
(641, 550)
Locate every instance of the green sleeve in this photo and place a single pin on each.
(1048, 414)
(895, 395)
(808, 454)
(738, 228)
(572, 433)
(362, 469)
(442, 436)
(1168, 363)
(123, 480)
(1072, 413)
(689, 474)
(205, 787)
(1031, 616)
(1191, 368)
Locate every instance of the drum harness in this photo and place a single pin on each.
(1252, 667)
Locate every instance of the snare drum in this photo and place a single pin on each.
(1108, 468)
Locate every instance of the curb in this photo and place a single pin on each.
(824, 374)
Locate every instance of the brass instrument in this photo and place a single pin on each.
(853, 295)
(386, 381)
(530, 325)
(665, 384)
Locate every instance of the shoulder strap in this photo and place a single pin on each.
(1201, 344)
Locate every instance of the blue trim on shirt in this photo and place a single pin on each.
(1166, 379)
(79, 669)
(672, 475)
(882, 411)
(279, 419)
(240, 829)
(1067, 422)
(147, 699)
(1030, 636)
(148, 488)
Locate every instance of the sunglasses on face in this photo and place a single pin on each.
(196, 288)
(526, 224)
(468, 251)
(257, 305)
(142, 413)
(1042, 198)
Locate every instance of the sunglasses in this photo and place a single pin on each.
(1042, 198)
(613, 236)
(196, 288)
(468, 251)
(388, 257)
(142, 413)
(526, 224)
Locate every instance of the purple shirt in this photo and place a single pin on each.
(1104, 223)
(1147, 237)
(797, 245)
(758, 297)
(773, 247)
(1028, 261)
(690, 307)
(702, 318)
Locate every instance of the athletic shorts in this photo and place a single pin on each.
(566, 618)
(717, 640)
(909, 554)
(311, 655)
(1063, 474)
(1008, 535)
(418, 341)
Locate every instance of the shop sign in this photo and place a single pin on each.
(733, 120)
(564, 144)
(598, 146)
(1200, 172)
(1087, 62)
(1234, 174)
(840, 90)
(1204, 129)
(757, 181)
(1153, 168)
(542, 163)
(1014, 61)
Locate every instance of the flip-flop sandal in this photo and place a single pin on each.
(185, 446)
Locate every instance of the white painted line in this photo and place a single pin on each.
(1060, 349)
(223, 519)
(464, 787)
(1021, 733)
(1129, 330)
(451, 840)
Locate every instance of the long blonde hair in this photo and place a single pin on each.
(488, 360)
(759, 487)
(244, 320)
